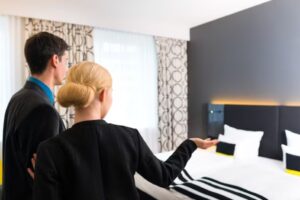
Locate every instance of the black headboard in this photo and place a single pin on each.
(273, 120)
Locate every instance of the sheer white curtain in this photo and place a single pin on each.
(131, 60)
(12, 70)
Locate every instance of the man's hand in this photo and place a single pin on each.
(29, 170)
(204, 144)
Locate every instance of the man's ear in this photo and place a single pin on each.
(54, 60)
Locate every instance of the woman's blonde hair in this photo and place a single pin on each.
(84, 80)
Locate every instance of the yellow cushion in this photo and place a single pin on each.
(0, 172)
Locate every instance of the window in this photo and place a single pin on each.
(131, 60)
(11, 57)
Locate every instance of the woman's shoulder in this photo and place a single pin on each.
(49, 145)
(56, 140)
(83, 131)
(121, 128)
(97, 125)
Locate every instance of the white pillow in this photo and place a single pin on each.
(244, 149)
(223, 138)
(242, 134)
(289, 150)
(247, 142)
(293, 139)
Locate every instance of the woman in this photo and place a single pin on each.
(95, 159)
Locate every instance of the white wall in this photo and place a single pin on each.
(169, 18)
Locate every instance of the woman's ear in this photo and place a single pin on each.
(102, 95)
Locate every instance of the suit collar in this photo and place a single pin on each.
(44, 87)
(32, 86)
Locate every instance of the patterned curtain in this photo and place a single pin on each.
(172, 91)
(80, 39)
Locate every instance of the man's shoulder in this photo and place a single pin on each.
(28, 94)
(40, 115)
(27, 99)
(44, 109)
(26, 103)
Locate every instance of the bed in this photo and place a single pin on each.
(212, 176)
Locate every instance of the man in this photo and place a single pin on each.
(30, 117)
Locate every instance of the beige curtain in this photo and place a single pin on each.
(80, 39)
(172, 91)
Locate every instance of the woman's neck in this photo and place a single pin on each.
(86, 114)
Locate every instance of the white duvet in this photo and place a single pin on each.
(260, 175)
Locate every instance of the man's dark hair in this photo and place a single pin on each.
(40, 47)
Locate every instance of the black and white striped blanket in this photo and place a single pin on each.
(211, 189)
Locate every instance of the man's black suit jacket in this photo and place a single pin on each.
(30, 118)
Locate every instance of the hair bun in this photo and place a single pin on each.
(75, 94)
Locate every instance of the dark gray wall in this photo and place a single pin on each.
(250, 55)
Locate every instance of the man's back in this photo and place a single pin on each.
(29, 119)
